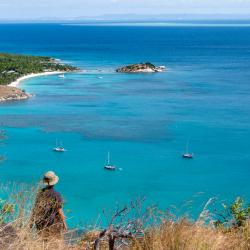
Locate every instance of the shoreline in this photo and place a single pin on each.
(20, 79)
(12, 92)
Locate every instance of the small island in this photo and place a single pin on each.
(141, 68)
(14, 68)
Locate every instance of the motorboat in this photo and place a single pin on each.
(61, 76)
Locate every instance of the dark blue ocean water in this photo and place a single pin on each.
(144, 120)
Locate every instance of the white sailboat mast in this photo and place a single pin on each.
(187, 147)
(108, 158)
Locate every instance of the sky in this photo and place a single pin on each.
(66, 9)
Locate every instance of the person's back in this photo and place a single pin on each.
(46, 208)
(47, 213)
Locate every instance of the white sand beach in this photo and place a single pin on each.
(19, 80)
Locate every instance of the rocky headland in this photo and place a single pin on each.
(8, 93)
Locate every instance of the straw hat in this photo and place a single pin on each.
(50, 178)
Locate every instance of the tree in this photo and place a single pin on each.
(126, 224)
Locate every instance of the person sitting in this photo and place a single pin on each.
(47, 213)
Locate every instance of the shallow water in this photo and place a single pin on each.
(144, 120)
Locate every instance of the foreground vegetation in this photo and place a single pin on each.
(131, 227)
(13, 67)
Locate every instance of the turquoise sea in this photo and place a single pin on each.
(144, 120)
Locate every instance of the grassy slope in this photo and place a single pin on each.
(167, 236)
(164, 234)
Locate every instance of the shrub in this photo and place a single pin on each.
(234, 215)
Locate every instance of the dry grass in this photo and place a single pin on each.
(165, 235)
(183, 235)
(19, 236)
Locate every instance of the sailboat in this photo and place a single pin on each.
(59, 148)
(109, 166)
(187, 155)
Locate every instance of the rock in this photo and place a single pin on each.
(8, 93)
